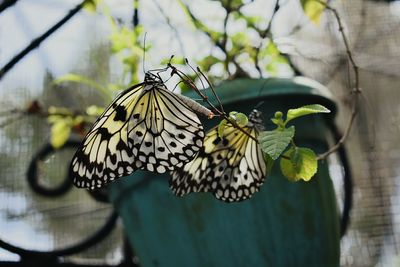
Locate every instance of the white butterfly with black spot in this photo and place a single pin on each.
(232, 168)
(146, 127)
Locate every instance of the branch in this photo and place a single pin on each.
(264, 34)
(355, 92)
(6, 4)
(36, 42)
(172, 27)
(215, 38)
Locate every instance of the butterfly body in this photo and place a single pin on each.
(231, 167)
(146, 127)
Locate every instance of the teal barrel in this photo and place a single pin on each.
(285, 224)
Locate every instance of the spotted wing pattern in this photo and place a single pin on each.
(146, 127)
(232, 167)
(165, 132)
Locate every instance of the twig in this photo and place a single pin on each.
(355, 92)
(17, 114)
(36, 42)
(225, 39)
(172, 27)
(263, 35)
(6, 4)
(218, 43)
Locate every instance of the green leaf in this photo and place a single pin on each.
(299, 164)
(313, 9)
(275, 142)
(60, 131)
(305, 110)
(91, 5)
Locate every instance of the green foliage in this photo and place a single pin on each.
(126, 45)
(274, 142)
(313, 9)
(91, 5)
(237, 47)
(60, 131)
(299, 163)
(253, 45)
(274, 58)
(305, 110)
(94, 111)
(296, 163)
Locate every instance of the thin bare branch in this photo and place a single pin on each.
(172, 27)
(219, 42)
(356, 91)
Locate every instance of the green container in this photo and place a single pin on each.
(285, 224)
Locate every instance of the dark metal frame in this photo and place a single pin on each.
(55, 257)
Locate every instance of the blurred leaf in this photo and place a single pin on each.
(274, 57)
(84, 80)
(275, 142)
(94, 110)
(122, 39)
(299, 164)
(313, 9)
(59, 111)
(214, 35)
(231, 4)
(91, 5)
(305, 110)
(60, 131)
(175, 60)
(251, 21)
(78, 120)
(207, 62)
(272, 68)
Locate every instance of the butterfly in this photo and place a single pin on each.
(146, 127)
(232, 167)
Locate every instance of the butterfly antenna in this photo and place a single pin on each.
(259, 104)
(212, 89)
(197, 74)
(263, 86)
(144, 53)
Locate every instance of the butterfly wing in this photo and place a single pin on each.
(106, 151)
(166, 133)
(196, 175)
(147, 127)
(238, 165)
(232, 168)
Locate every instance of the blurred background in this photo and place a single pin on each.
(98, 50)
